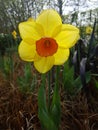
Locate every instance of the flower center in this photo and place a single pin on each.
(46, 47)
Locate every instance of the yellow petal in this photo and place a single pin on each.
(49, 20)
(56, 31)
(44, 64)
(31, 40)
(68, 36)
(61, 56)
(30, 30)
(27, 52)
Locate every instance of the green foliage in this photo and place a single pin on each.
(85, 60)
(43, 113)
(27, 82)
(71, 84)
(7, 47)
(96, 83)
(1, 63)
(6, 43)
(7, 66)
(49, 117)
(55, 109)
(55, 105)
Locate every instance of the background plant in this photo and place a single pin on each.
(28, 81)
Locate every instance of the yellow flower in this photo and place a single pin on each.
(88, 30)
(46, 41)
(14, 34)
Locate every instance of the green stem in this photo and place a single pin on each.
(57, 77)
(43, 78)
(42, 94)
(56, 108)
(49, 90)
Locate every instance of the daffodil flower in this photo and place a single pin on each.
(46, 41)
(88, 30)
(14, 33)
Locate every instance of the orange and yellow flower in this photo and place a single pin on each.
(46, 41)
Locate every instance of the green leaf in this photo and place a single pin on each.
(96, 83)
(88, 77)
(46, 120)
(42, 98)
(56, 113)
(71, 85)
(42, 95)
(55, 106)
(27, 82)
(68, 73)
(91, 40)
(43, 113)
(27, 72)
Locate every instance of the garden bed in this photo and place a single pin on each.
(20, 112)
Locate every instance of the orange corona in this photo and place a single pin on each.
(46, 47)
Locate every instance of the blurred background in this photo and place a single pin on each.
(78, 12)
